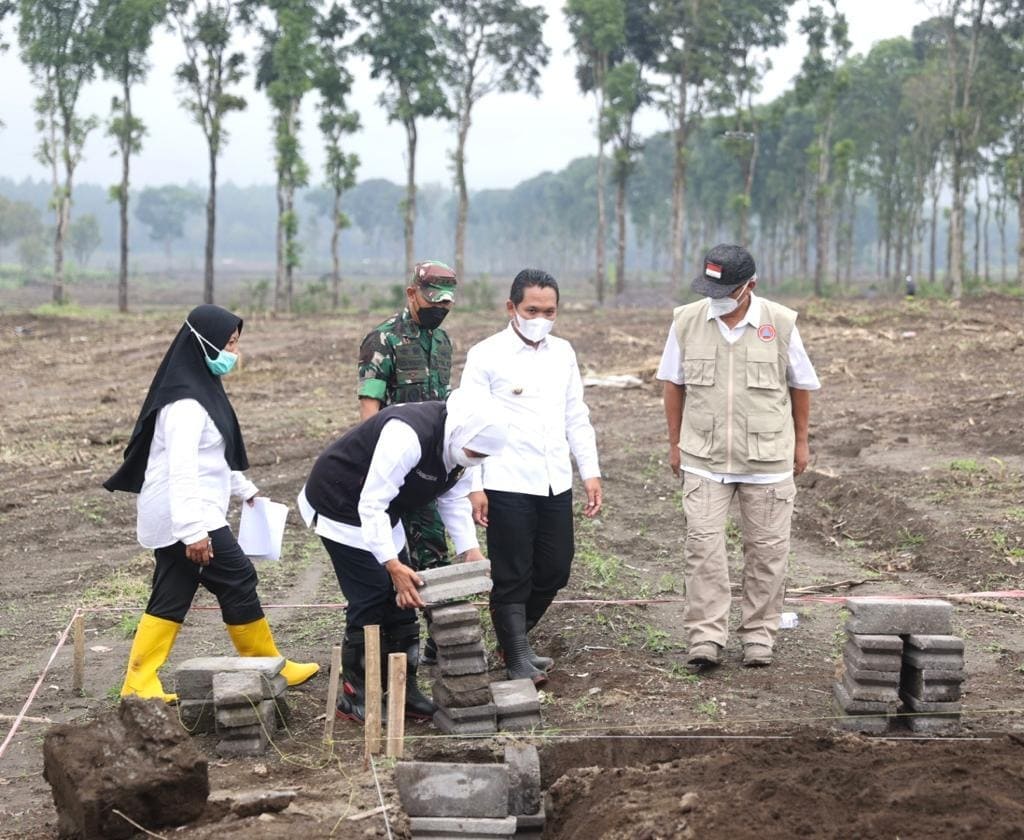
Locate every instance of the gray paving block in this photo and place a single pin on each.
(444, 789)
(457, 660)
(860, 707)
(514, 696)
(460, 635)
(951, 644)
(453, 615)
(459, 699)
(193, 678)
(520, 722)
(866, 676)
(868, 643)
(941, 686)
(197, 716)
(934, 660)
(237, 688)
(455, 582)
(923, 616)
(871, 692)
(482, 722)
(530, 825)
(861, 661)
(230, 747)
(870, 724)
(458, 683)
(461, 828)
(524, 791)
(933, 724)
(916, 704)
(255, 717)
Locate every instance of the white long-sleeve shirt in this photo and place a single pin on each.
(397, 453)
(188, 484)
(541, 393)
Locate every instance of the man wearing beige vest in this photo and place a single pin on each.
(737, 401)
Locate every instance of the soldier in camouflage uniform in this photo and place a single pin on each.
(408, 358)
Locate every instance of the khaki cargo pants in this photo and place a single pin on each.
(766, 511)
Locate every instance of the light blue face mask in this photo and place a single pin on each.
(223, 362)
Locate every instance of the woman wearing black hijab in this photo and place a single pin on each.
(185, 460)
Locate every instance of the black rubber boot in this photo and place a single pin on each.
(405, 638)
(510, 628)
(352, 705)
(541, 663)
(429, 655)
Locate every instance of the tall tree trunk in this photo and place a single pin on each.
(279, 246)
(1020, 231)
(126, 151)
(289, 244)
(851, 224)
(933, 237)
(58, 276)
(211, 227)
(821, 209)
(602, 220)
(620, 220)
(679, 183)
(977, 229)
(410, 196)
(335, 258)
(984, 235)
(462, 214)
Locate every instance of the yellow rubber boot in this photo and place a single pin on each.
(153, 642)
(255, 639)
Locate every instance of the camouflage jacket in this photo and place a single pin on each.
(400, 362)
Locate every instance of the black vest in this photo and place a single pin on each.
(336, 481)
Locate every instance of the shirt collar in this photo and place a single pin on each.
(752, 317)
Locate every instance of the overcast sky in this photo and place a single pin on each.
(513, 136)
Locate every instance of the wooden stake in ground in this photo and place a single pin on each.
(396, 705)
(332, 694)
(78, 671)
(372, 725)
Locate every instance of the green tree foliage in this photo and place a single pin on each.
(18, 219)
(58, 40)
(491, 46)
(85, 238)
(400, 39)
(164, 210)
(125, 35)
(210, 70)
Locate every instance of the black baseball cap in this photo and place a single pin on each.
(726, 268)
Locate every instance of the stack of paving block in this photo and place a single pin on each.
(477, 801)
(899, 651)
(241, 698)
(462, 688)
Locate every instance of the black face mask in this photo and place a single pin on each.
(431, 316)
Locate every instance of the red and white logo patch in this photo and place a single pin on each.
(712, 270)
(766, 332)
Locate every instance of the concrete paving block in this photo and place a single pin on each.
(458, 683)
(237, 688)
(231, 747)
(459, 635)
(869, 724)
(455, 582)
(934, 660)
(514, 696)
(258, 716)
(274, 686)
(530, 825)
(856, 659)
(462, 828)
(483, 722)
(871, 692)
(950, 644)
(916, 704)
(458, 660)
(193, 678)
(933, 724)
(860, 707)
(453, 615)
(941, 686)
(520, 722)
(197, 716)
(869, 643)
(459, 699)
(927, 616)
(524, 791)
(444, 789)
(866, 676)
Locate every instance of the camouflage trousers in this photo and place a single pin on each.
(424, 530)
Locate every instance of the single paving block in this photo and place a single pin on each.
(869, 724)
(461, 634)
(193, 678)
(237, 688)
(461, 828)
(444, 789)
(934, 660)
(197, 716)
(457, 660)
(530, 825)
(524, 791)
(941, 686)
(951, 644)
(455, 582)
(231, 747)
(933, 724)
(231, 717)
(876, 643)
(928, 616)
(511, 696)
(458, 683)
(482, 720)
(860, 707)
(452, 615)
(459, 699)
(916, 704)
(866, 676)
(871, 692)
(855, 658)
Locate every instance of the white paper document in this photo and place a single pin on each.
(261, 529)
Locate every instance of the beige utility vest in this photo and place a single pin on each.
(737, 416)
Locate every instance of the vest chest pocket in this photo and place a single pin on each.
(763, 368)
(442, 363)
(698, 364)
(698, 433)
(766, 437)
(410, 365)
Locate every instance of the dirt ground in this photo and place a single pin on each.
(915, 487)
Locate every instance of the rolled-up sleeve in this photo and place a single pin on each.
(457, 513)
(800, 373)
(395, 456)
(670, 369)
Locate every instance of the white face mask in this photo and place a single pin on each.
(720, 307)
(534, 329)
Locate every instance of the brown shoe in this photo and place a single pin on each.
(756, 656)
(703, 655)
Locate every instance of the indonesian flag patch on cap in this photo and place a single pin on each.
(712, 270)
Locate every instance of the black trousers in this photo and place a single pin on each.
(531, 546)
(367, 587)
(231, 577)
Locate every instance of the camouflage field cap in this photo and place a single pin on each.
(436, 281)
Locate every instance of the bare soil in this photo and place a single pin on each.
(915, 488)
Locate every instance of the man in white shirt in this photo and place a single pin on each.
(526, 497)
(737, 402)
